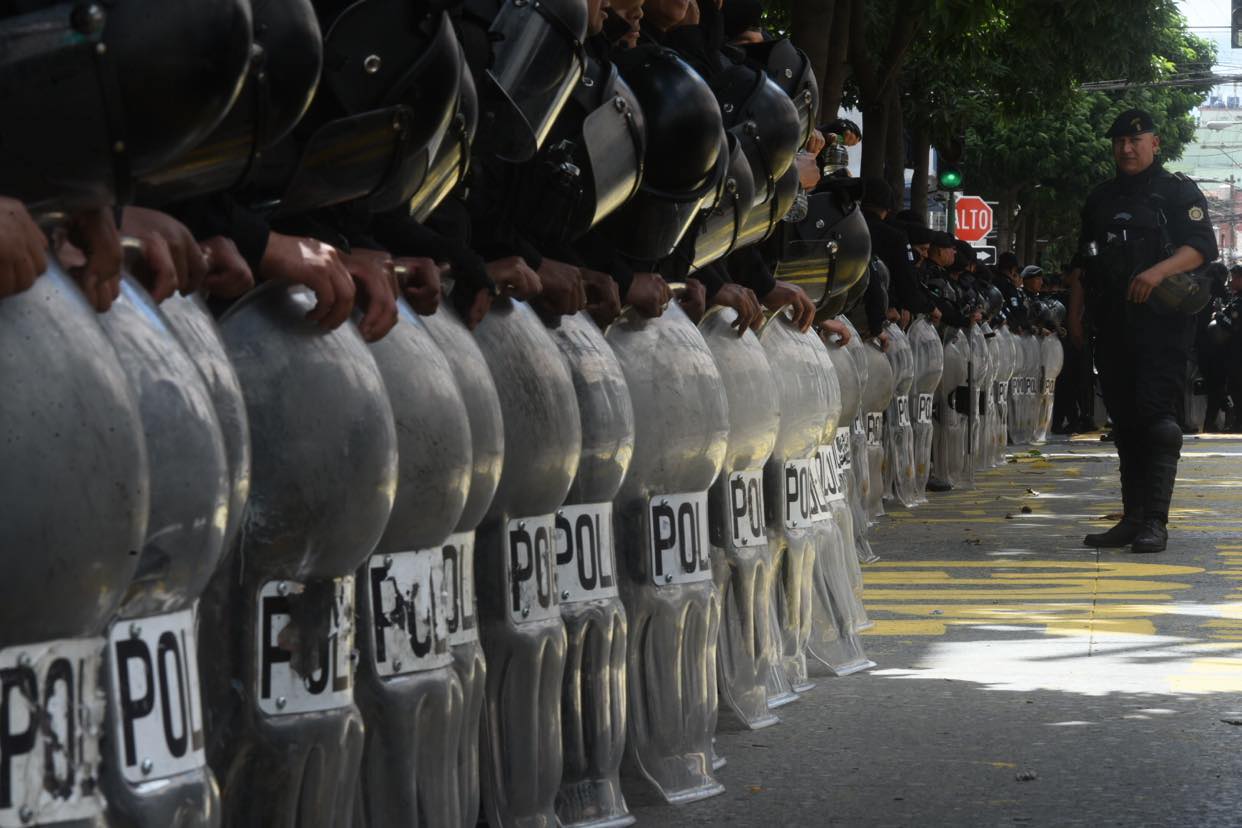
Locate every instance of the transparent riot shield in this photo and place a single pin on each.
(852, 450)
(663, 553)
(837, 609)
(155, 770)
(790, 498)
(75, 486)
(928, 366)
(478, 391)
(283, 733)
(1051, 360)
(951, 410)
(1195, 402)
(980, 380)
(515, 568)
(741, 557)
(1025, 401)
(991, 423)
(1004, 387)
(593, 692)
(899, 482)
(841, 499)
(410, 696)
(877, 395)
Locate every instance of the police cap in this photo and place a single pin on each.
(1032, 272)
(942, 239)
(1130, 123)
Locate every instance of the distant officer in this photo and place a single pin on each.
(1139, 230)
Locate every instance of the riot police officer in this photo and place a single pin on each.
(1142, 232)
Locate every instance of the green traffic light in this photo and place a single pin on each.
(951, 178)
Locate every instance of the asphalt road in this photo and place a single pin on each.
(1021, 678)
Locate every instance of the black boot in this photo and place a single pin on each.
(1154, 537)
(1133, 480)
(1164, 447)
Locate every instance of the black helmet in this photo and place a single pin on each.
(592, 162)
(993, 301)
(108, 91)
(791, 70)
(285, 61)
(452, 159)
(764, 119)
(722, 225)
(829, 251)
(537, 57)
(686, 155)
(379, 117)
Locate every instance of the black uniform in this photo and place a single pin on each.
(1135, 222)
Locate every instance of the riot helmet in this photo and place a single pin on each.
(790, 68)
(765, 216)
(686, 154)
(133, 85)
(764, 120)
(1050, 313)
(452, 160)
(537, 57)
(379, 117)
(591, 163)
(722, 225)
(285, 61)
(993, 301)
(829, 251)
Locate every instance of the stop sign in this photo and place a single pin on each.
(974, 219)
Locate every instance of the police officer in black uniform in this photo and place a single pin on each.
(1140, 230)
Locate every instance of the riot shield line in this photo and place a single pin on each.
(71, 522)
(741, 558)
(1025, 395)
(837, 609)
(515, 570)
(992, 422)
(951, 409)
(478, 391)
(1051, 360)
(877, 395)
(411, 698)
(283, 734)
(593, 692)
(981, 372)
(663, 553)
(155, 771)
(852, 450)
(898, 422)
(928, 366)
(789, 491)
(1004, 388)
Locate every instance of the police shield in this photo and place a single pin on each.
(741, 559)
(1024, 396)
(663, 552)
(951, 410)
(67, 532)
(478, 391)
(1051, 360)
(981, 372)
(409, 694)
(1004, 387)
(991, 422)
(515, 568)
(593, 692)
(837, 611)
(157, 772)
(852, 449)
(851, 404)
(898, 423)
(928, 366)
(283, 733)
(877, 394)
(790, 495)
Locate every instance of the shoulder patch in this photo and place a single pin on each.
(1196, 213)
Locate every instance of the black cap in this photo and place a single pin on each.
(876, 192)
(916, 233)
(1006, 260)
(1129, 123)
(841, 126)
(942, 239)
(742, 16)
(965, 253)
(1032, 272)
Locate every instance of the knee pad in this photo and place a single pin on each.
(1165, 435)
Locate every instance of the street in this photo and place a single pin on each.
(1021, 678)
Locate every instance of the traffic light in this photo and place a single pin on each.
(949, 162)
(950, 178)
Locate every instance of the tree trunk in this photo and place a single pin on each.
(811, 29)
(836, 65)
(918, 184)
(875, 142)
(895, 144)
(876, 79)
(1006, 228)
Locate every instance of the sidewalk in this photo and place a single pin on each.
(1023, 679)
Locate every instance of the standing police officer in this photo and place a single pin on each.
(1141, 233)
